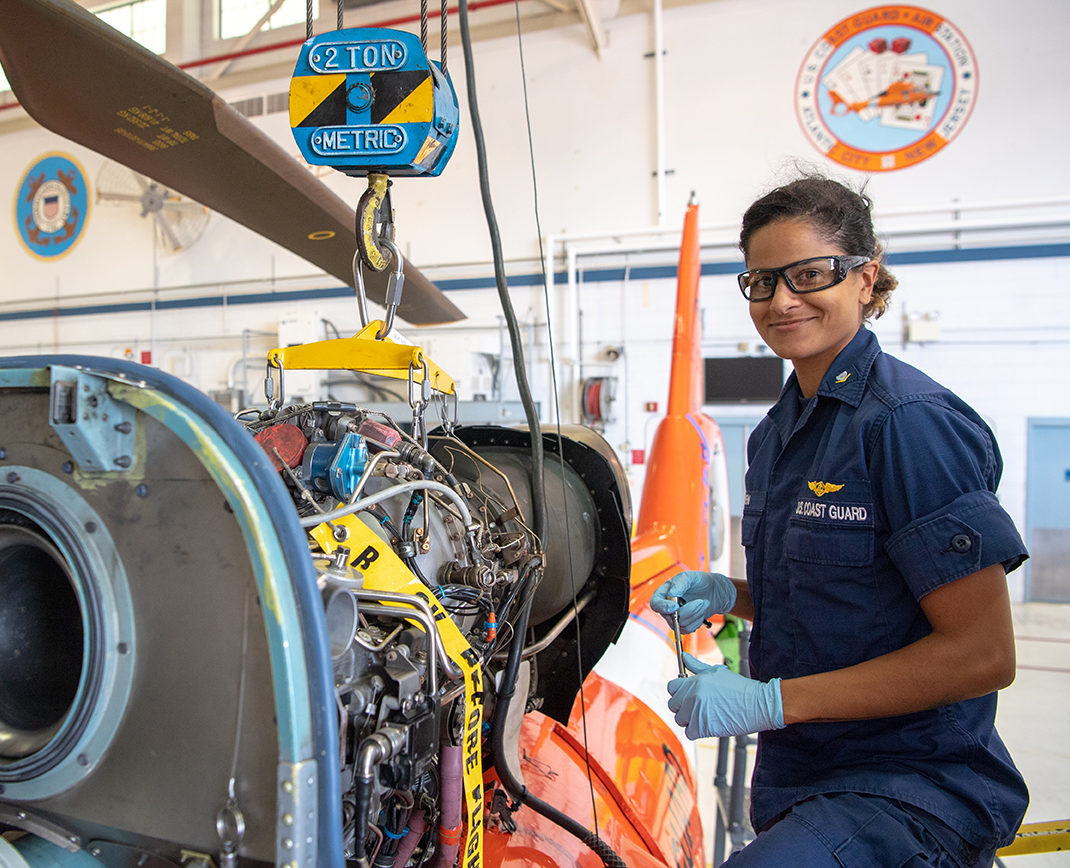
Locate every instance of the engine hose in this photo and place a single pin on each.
(381, 516)
(415, 567)
(514, 787)
(395, 829)
(517, 789)
(451, 795)
(410, 512)
(417, 827)
(415, 454)
(362, 793)
(375, 749)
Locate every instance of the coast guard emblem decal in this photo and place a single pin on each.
(886, 88)
(51, 206)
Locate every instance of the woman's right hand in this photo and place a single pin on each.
(694, 596)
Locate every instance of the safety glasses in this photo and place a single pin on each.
(806, 275)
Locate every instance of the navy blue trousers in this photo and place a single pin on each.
(850, 830)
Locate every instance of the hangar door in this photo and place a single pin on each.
(1048, 510)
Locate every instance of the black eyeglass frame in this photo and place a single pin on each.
(843, 266)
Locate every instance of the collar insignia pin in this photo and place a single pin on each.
(843, 376)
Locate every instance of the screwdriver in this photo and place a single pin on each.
(678, 642)
(679, 645)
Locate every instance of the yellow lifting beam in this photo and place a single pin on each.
(364, 354)
(1039, 838)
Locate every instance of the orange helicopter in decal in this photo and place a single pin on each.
(899, 93)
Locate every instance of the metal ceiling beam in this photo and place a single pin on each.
(243, 43)
(593, 21)
(559, 5)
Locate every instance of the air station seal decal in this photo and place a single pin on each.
(886, 88)
(51, 206)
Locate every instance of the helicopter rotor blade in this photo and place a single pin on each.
(84, 80)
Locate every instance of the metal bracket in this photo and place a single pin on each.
(114, 853)
(42, 828)
(295, 829)
(97, 429)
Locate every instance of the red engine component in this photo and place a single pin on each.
(284, 444)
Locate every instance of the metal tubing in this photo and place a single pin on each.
(386, 494)
(375, 459)
(428, 619)
(555, 631)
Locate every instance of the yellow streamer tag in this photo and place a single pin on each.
(383, 570)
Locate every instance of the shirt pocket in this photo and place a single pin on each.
(751, 521)
(837, 614)
(828, 544)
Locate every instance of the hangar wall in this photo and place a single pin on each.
(730, 130)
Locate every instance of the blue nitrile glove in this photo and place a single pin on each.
(715, 701)
(704, 594)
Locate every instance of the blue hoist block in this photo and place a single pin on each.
(367, 100)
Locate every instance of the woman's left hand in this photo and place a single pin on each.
(717, 702)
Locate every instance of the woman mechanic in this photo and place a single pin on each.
(876, 576)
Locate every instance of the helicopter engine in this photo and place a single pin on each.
(449, 531)
(282, 639)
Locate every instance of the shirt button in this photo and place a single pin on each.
(961, 543)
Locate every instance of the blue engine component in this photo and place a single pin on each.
(336, 467)
(367, 100)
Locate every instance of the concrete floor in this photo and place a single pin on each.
(1033, 720)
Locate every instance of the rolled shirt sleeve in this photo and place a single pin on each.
(940, 467)
(971, 533)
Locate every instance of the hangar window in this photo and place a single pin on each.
(144, 21)
(238, 17)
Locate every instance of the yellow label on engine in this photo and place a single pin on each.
(383, 570)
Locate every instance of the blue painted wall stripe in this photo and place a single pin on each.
(592, 275)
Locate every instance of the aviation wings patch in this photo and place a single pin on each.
(823, 488)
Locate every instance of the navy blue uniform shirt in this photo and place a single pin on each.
(859, 502)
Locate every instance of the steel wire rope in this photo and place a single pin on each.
(444, 9)
(509, 674)
(423, 27)
(557, 409)
(513, 327)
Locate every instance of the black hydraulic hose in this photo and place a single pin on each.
(416, 571)
(538, 496)
(513, 786)
(380, 515)
(410, 514)
(362, 791)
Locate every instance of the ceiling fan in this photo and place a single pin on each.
(178, 221)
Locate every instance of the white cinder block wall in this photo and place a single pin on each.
(730, 131)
